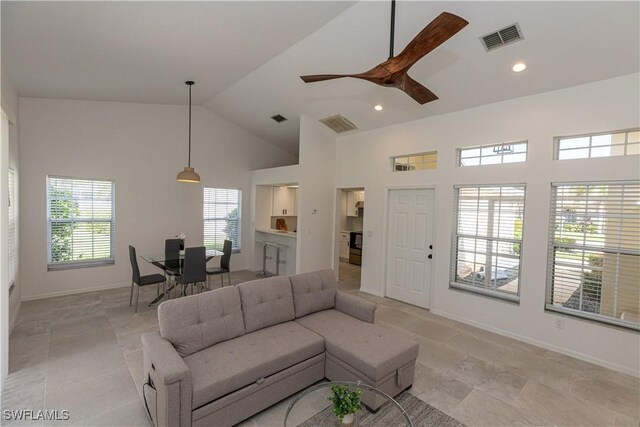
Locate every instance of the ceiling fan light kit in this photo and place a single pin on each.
(393, 72)
(189, 174)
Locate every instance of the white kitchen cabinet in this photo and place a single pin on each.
(284, 201)
(344, 246)
(353, 197)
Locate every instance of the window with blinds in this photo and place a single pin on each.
(495, 154)
(13, 230)
(80, 219)
(222, 217)
(487, 240)
(594, 251)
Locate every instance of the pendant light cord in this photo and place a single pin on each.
(393, 26)
(190, 123)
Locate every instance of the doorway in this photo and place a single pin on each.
(350, 222)
(410, 245)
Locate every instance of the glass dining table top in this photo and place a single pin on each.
(162, 257)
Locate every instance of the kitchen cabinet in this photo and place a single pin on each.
(353, 197)
(344, 246)
(284, 201)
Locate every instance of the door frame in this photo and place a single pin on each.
(385, 235)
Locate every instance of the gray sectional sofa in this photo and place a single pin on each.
(224, 355)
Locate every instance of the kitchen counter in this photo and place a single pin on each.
(277, 233)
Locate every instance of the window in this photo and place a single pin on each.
(80, 219)
(415, 162)
(487, 240)
(222, 217)
(606, 144)
(13, 241)
(514, 152)
(594, 251)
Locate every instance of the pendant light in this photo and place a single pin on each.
(189, 174)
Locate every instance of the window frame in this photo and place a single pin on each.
(557, 139)
(408, 165)
(12, 228)
(494, 294)
(501, 155)
(89, 263)
(551, 244)
(234, 250)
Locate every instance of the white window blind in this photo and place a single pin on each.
(13, 241)
(594, 253)
(222, 217)
(607, 144)
(80, 217)
(513, 152)
(487, 240)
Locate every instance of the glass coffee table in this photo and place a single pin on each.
(312, 407)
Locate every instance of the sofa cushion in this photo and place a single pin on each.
(200, 321)
(314, 291)
(371, 349)
(266, 302)
(231, 365)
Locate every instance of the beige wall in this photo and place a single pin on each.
(142, 147)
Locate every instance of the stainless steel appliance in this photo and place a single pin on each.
(355, 247)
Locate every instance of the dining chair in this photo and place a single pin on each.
(137, 279)
(194, 270)
(225, 262)
(172, 265)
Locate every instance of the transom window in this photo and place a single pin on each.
(222, 209)
(495, 154)
(414, 162)
(607, 144)
(80, 220)
(594, 252)
(487, 240)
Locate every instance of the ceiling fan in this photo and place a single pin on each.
(393, 72)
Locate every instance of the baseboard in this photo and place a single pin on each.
(76, 291)
(538, 343)
(371, 291)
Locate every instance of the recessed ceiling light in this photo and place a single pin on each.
(520, 66)
(378, 107)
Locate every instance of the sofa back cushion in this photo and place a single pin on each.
(314, 291)
(199, 321)
(266, 302)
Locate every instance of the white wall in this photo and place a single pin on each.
(316, 196)
(601, 106)
(142, 147)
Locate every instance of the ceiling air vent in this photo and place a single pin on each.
(338, 123)
(279, 118)
(502, 37)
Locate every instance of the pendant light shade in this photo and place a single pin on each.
(189, 174)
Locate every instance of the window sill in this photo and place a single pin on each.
(500, 296)
(80, 264)
(593, 318)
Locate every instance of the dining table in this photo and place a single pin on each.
(161, 259)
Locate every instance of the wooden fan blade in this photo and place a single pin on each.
(322, 77)
(441, 29)
(415, 90)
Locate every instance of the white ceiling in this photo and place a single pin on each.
(246, 57)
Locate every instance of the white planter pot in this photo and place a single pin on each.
(348, 419)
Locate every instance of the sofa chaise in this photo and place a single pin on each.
(225, 355)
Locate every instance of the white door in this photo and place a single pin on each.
(410, 246)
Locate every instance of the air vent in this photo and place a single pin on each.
(338, 123)
(279, 118)
(502, 37)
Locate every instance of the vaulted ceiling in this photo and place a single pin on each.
(246, 56)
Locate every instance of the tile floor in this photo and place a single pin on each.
(82, 353)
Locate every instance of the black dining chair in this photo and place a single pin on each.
(172, 264)
(225, 262)
(137, 279)
(194, 270)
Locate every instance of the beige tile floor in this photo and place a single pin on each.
(82, 353)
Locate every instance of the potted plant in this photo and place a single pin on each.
(345, 403)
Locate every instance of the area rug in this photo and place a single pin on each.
(421, 413)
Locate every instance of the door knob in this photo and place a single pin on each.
(430, 256)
